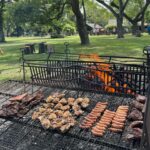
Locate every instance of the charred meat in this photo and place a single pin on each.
(135, 115)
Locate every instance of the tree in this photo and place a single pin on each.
(97, 14)
(2, 36)
(118, 13)
(81, 22)
(134, 19)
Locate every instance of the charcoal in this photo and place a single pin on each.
(135, 115)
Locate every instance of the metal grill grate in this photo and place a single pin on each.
(81, 75)
(31, 134)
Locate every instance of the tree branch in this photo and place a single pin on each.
(108, 7)
(125, 4)
(142, 10)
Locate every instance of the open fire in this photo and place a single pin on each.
(106, 75)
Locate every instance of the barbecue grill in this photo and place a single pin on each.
(124, 77)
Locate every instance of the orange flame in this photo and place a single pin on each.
(102, 71)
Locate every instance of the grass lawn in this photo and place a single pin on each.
(103, 45)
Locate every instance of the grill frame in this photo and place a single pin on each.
(73, 73)
(74, 138)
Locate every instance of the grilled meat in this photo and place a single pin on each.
(18, 106)
(138, 105)
(134, 133)
(135, 115)
(136, 124)
(19, 97)
(119, 119)
(56, 113)
(90, 119)
(141, 98)
(103, 123)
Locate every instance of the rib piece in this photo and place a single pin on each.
(134, 133)
(141, 98)
(18, 98)
(135, 115)
(136, 124)
(138, 105)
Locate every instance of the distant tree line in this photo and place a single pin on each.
(39, 17)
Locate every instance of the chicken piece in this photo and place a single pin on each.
(59, 113)
(57, 123)
(71, 121)
(45, 123)
(56, 100)
(49, 111)
(76, 107)
(85, 102)
(135, 115)
(78, 112)
(63, 101)
(41, 117)
(52, 116)
(138, 105)
(58, 106)
(71, 101)
(64, 108)
(58, 95)
(141, 98)
(49, 99)
(51, 105)
(65, 128)
(46, 105)
(42, 110)
(67, 114)
(35, 115)
(136, 124)
(79, 100)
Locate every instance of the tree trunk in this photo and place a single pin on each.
(81, 24)
(142, 24)
(135, 30)
(2, 37)
(120, 29)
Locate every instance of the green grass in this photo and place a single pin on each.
(103, 45)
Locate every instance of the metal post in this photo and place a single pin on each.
(66, 50)
(145, 141)
(23, 68)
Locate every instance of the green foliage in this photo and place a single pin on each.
(97, 14)
(134, 7)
